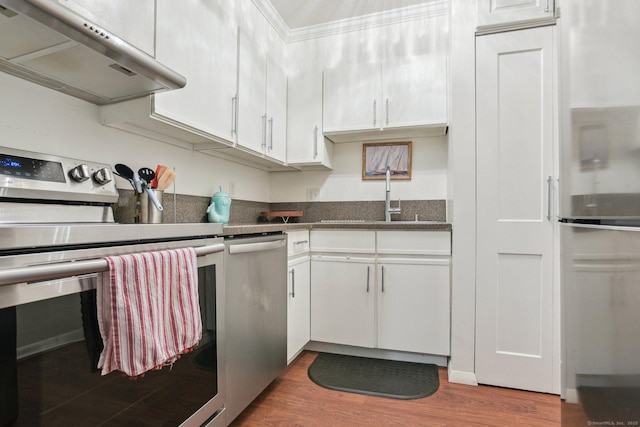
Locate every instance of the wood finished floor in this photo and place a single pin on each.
(294, 400)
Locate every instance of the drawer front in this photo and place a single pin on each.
(414, 242)
(343, 241)
(298, 242)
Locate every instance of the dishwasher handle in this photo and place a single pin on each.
(241, 248)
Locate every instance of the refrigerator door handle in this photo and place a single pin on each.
(549, 197)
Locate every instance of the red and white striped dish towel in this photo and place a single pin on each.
(148, 310)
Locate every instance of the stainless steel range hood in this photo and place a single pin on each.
(46, 43)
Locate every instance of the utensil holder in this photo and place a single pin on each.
(148, 212)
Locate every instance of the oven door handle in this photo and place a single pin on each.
(74, 268)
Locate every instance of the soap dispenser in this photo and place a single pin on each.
(220, 207)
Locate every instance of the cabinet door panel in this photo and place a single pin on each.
(342, 309)
(414, 91)
(298, 307)
(205, 103)
(515, 239)
(304, 113)
(413, 307)
(252, 86)
(276, 147)
(352, 98)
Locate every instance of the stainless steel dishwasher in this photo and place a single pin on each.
(256, 316)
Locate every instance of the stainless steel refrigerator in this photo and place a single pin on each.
(599, 133)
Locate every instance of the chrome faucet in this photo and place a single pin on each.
(388, 210)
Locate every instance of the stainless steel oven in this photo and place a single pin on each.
(54, 234)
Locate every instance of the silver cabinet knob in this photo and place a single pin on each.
(102, 176)
(80, 173)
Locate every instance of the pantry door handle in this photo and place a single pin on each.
(549, 197)
(383, 278)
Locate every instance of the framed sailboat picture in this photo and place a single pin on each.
(377, 156)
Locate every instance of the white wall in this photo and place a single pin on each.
(39, 119)
(344, 182)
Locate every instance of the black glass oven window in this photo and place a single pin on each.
(35, 169)
(60, 387)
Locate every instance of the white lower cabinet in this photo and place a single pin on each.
(413, 305)
(298, 306)
(342, 300)
(393, 295)
(298, 293)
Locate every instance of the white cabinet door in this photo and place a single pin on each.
(276, 111)
(399, 93)
(252, 87)
(132, 21)
(343, 300)
(206, 102)
(413, 305)
(262, 88)
(414, 91)
(500, 12)
(352, 98)
(306, 144)
(515, 146)
(298, 306)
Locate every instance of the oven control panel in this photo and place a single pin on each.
(30, 175)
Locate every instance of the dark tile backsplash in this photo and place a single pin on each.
(190, 209)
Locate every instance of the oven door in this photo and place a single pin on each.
(49, 344)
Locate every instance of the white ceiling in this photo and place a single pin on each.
(305, 13)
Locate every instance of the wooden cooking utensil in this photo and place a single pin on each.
(166, 178)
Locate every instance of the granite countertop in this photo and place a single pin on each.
(230, 230)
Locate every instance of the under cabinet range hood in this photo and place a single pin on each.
(48, 44)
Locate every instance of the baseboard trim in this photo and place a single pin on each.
(571, 395)
(462, 377)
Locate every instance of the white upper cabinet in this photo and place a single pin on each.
(509, 14)
(306, 146)
(262, 88)
(204, 51)
(201, 44)
(352, 97)
(406, 93)
(252, 87)
(414, 91)
(276, 111)
(133, 21)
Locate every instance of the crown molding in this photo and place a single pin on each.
(411, 13)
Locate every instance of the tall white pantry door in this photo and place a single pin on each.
(515, 154)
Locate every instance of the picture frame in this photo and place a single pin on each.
(376, 156)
